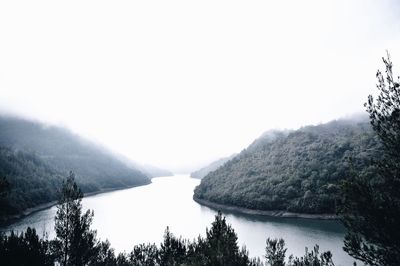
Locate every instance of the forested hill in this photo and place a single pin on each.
(211, 167)
(149, 170)
(154, 171)
(34, 158)
(297, 171)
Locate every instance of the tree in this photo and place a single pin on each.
(313, 258)
(172, 250)
(75, 243)
(4, 187)
(144, 255)
(196, 252)
(221, 246)
(370, 205)
(105, 255)
(25, 249)
(384, 112)
(276, 255)
(275, 252)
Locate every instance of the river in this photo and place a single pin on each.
(141, 214)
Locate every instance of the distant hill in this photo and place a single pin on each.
(150, 170)
(294, 171)
(35, 157)
(211, 167)
(154, 171)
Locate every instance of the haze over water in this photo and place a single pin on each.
(141, 215)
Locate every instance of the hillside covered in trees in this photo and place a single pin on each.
(34, 157)
(297, 171)
(202, 172)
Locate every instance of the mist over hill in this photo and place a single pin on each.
(154, 171)
(35, 157)
(202, 172)
(150, 170)
(295, 171)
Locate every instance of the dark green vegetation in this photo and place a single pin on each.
(75, 241)
(211, 167)
(31, 181)
(370, 205)
(297, 171)
(33, 157)
(76, 244)
(276, 256)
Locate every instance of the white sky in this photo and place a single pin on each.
(178, 84)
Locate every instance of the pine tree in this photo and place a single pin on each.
(25, 249)
(370, 205)
(75, 243)
(276, 255)
(313, 258)
(172, 250)
(275, 252)
(105, 255)
(144, 255)
(221, 244)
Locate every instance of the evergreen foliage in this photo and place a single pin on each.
(313, 258)
(35, 157)
(172, 250)
(30, 181)
(75, 244)
(25, 249)
(298, 171)
(145, 255)
(370, 206)
(275, 252)
(276, 256)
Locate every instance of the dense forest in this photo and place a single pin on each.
(202, 172)
(295, 171)
(33, 156)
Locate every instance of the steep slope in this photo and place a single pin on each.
(296, 171)
(31, 181)
(34, 157)
(202, 172)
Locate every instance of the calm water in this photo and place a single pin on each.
(141, 214)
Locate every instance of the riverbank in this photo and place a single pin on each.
(282, 214)
(7, 220)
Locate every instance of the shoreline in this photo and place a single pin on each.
(8, 220)
(281, 214)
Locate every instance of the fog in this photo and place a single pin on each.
(178, 84)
